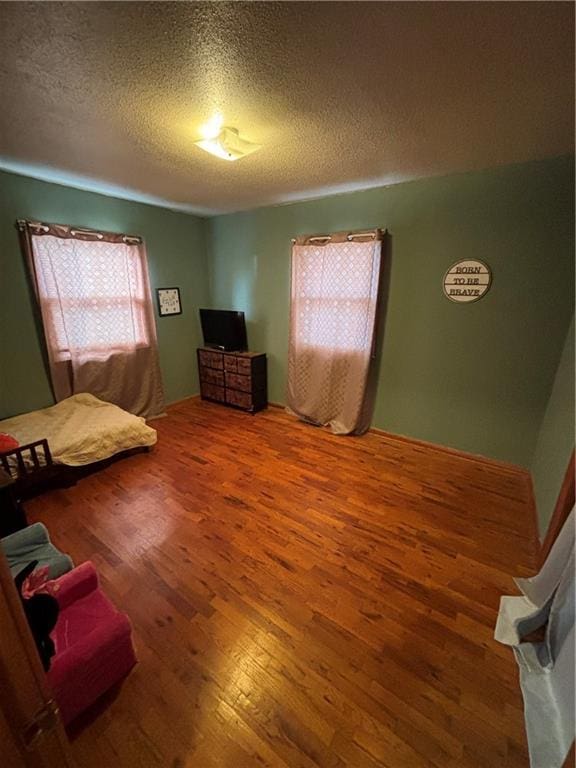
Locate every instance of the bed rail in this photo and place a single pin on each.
(23, 462)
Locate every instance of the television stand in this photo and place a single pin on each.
(236, 379)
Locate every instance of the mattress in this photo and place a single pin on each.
(81, 430)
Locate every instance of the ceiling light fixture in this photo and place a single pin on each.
(227, 145)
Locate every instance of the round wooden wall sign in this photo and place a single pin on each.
(467, 281)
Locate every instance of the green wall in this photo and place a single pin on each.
(476, 377)
(176, 257)
(556, 438)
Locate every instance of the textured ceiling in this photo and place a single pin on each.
(111, 96)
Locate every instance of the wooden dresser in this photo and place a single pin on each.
(237, 379)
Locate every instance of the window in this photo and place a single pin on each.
(94, 295)
(332, 328)
(332, 295)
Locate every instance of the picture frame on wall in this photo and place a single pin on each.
(168, 301)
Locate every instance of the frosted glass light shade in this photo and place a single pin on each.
(228, 145)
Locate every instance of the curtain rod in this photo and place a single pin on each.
(89, 232)
(350, 236)
(23, 224)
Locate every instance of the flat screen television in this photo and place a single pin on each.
(224, 329)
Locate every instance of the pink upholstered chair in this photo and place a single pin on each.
(93, 642)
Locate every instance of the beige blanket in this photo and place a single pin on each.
(81, 430)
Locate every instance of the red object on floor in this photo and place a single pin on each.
(93, 642)
(7, 442)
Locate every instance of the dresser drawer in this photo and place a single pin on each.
(212, 392)
(236, 381)
(244, 365)
(211, 376)
(210, 359)
(230, 364)
(240, 399)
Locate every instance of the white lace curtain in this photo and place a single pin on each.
(334, 298)
(94, 296)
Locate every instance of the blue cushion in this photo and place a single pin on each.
(33, 543)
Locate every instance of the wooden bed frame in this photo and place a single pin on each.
(33, 469)
(28, 464)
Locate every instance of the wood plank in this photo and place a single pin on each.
(300, 599)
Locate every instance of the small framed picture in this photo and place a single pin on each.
(168, 301)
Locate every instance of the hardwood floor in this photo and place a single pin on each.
(302, 600)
